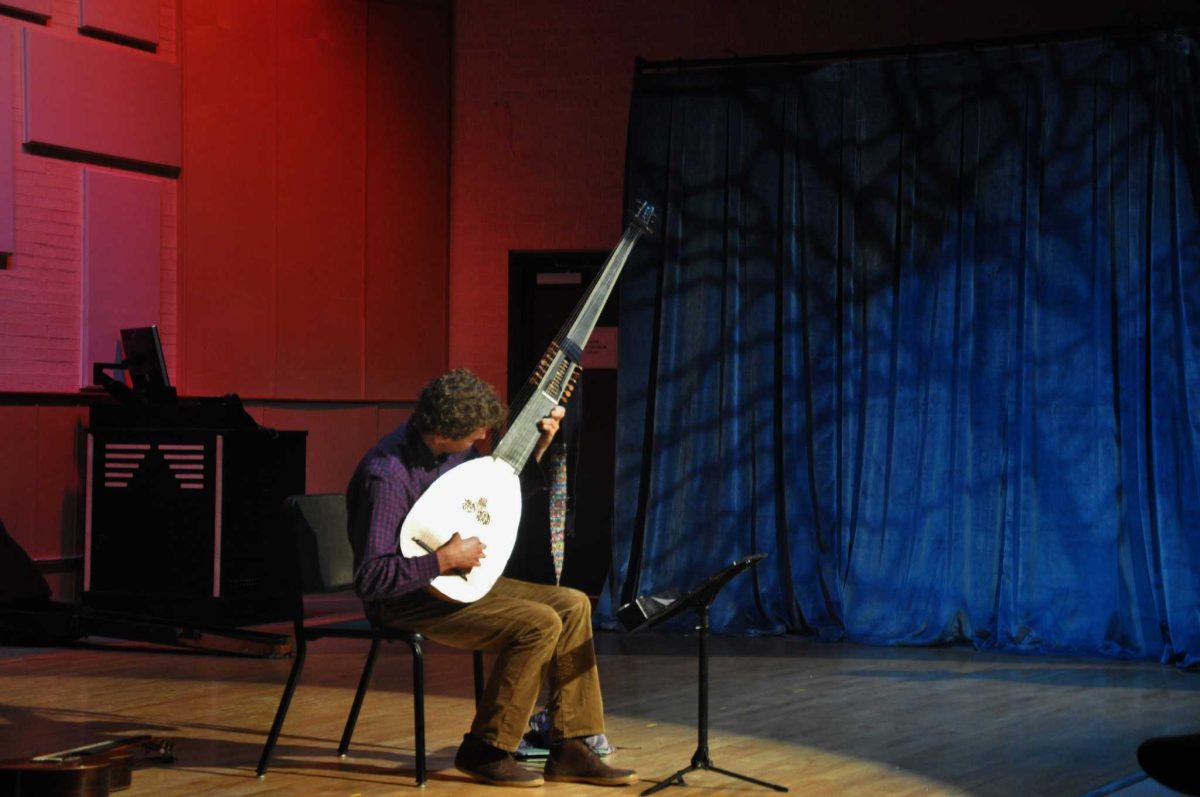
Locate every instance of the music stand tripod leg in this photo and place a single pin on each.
(674, 780)
(701, 759)
(747, 778)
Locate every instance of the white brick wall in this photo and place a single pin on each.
(40, 289)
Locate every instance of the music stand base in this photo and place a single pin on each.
(700, 761)
(698, 600)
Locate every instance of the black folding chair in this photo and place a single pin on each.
(325, 564)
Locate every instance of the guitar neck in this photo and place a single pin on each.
(102, 748)
(90, 749)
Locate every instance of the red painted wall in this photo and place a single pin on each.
(314, 198)
(311, 216)
(227, 202)
(541, 100)
(408, 184)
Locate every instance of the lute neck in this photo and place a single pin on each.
(558, 370)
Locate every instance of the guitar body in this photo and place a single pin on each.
(76, 778)
(479, 498)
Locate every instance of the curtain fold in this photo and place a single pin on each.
(925, 331)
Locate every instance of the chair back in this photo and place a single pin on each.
(324, 558)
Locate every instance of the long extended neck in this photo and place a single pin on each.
(558, 369)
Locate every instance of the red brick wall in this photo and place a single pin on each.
(40, 290)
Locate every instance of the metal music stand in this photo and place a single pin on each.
(698, 600)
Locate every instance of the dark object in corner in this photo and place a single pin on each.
(22, 585)
(1171, 760)
(29, 617)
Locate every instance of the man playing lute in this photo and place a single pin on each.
(537, 631)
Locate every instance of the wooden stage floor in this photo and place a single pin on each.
(821, 719)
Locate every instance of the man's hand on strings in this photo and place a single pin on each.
(549, 427)
(459, 555)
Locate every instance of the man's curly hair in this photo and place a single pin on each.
(456, 404)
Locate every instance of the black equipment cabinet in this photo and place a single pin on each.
(185, 524)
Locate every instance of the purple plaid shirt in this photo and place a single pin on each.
(388, 481)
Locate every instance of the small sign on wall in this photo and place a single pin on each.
(559, 278)
(601, 349)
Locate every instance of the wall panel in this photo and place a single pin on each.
(390, 418)
(321, 199)
(121, 252)
(37, 9)
(337, 439)
(18, 475)
(408, 144)
(314, 204)
(8, 186)
(58, 502)
(39, 490)
(130, 19)
(90, 98)
(227, 324)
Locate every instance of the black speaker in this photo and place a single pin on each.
(186, 524)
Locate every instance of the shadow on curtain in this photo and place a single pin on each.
(925, 330)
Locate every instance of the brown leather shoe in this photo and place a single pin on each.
(492, 765)
(574, 762)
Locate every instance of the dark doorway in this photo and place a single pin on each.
(543, 289)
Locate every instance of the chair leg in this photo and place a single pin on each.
(363, 682)
(284, 702)
(477, 658)
(419, 708)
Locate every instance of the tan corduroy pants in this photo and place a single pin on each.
(535, 630)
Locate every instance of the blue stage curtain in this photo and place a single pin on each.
(925, 330)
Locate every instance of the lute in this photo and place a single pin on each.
(482, 497)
